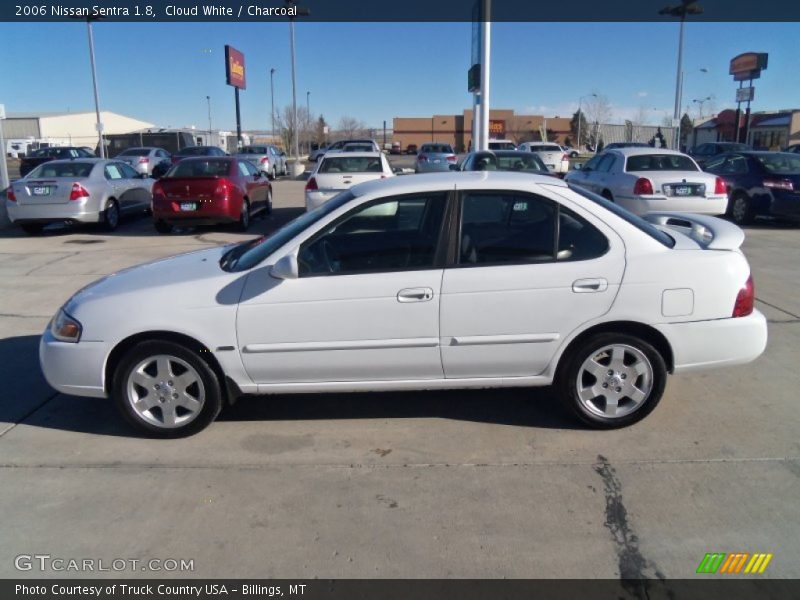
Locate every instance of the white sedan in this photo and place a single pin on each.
(648, 179)
(452, 280)
(339, 170)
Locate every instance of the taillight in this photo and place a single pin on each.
(779, 184)
(422, 158)
(143, 160)
(11, 195)
(720, 187)
(565, 156)
(264, 160)
(78, 192)
(643, 186)
(452, 159)
(223, 187)
(745, 299)
(158, 189)
(311, 185)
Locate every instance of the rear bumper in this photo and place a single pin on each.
(77, 211)
(427, 167)
(785, 204)
(640, 205)
(315, 199)
(718, 343)
(209, 212)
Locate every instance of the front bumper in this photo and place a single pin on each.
(722, 342)
(80, 211)
(74, 369)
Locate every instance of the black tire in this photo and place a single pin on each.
(111, 215)
(162, 226)
(32, 228)
(741, 209)
(244, 216)
(608, 195)
(274, 173)
(213, 397)
(268, 209)
(589, 411)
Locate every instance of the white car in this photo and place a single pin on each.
(452, 280)
(648, 179)
(338, 171)
(315, 155)
(501, 145)
(552, 155)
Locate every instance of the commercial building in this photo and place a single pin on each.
(769, 130)
(63, 128)
(457, 129)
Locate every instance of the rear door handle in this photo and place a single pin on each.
(422, 294)
(585, 286)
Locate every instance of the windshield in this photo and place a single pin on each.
(201, 168)
(195, 151)
(249, 254)
(544, 148)
(254, 150)
(437, 149)
(780, 163)
(135, 152)
(65, 169)
(350, 164)
(635, 220)
(525, 162)
(660, 162)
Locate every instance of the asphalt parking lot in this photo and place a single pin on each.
(435, 484)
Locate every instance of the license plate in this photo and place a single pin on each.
(682, 190)
(436, 160)
(41, 190)
(188, 205)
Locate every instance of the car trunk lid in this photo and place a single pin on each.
(189, 188)
(51, 190)
(342, 181)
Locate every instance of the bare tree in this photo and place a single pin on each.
(350, 127)
(306, 126)
(642, 116)
(598, 112)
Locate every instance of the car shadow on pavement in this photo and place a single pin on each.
(525, 407)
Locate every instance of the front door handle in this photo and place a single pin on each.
(585, 286)
(422, 294)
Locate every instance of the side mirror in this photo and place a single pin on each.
(285, 268)
(453, 167)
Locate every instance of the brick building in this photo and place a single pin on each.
(457, 129)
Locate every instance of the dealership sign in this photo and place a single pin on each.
(234, 68)
(497, 127)
(745, 94)
(748, 65)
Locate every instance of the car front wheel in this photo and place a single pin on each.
(612, 380)
(166, 390)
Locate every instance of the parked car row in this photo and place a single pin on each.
(204, 189)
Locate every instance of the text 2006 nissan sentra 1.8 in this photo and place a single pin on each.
(453, 280)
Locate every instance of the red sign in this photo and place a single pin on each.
(748, 65)
(497, 127)
(234, 67)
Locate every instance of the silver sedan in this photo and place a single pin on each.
(434, 157)
(269, 159)
(144, 159)
(87, 190)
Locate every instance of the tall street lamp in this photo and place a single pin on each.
(301, 12)
(580, 116)
(308, 121)
(210, 129)
(701, 101)
(272, 97)
(99, 123)
(686, 7)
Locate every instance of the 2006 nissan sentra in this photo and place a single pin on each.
(457, 280)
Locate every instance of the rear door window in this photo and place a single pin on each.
(113, 172)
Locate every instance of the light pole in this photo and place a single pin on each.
(308, 121)
(580, 116)
(685, 7)
(296, 143)
(272, 98)
(701, 101)
(210, 129)
(486, 42)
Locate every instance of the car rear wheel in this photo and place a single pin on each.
(32, 228)
(166, 390)
(274, 173)
(608, 195)
(162, 226)
(268, 209)
(244, 216)
(111, 215)
(742, 211)
(612, 380)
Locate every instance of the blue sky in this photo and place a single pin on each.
(376, 71)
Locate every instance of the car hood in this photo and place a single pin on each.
(183, 279)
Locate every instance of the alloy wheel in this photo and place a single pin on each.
(614, 381)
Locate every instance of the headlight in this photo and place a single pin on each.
(64, 328)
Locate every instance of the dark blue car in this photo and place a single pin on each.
(759, 184)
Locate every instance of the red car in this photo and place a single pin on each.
(208, 191)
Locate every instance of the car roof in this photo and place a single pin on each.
(638, 150)
(451, 179)
(502, 152)
(542, 143)
(340, 153)
(190, 158)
